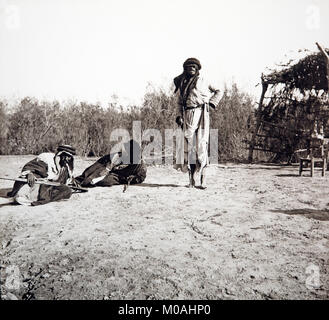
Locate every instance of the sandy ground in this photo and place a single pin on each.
(257, 232)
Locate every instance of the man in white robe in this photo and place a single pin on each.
(195, 96)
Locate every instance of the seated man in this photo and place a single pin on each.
(56, 167)
(124, 167)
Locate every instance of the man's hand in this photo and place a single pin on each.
(323, 51)
(104, 172)
(30, 179)
(180, 121)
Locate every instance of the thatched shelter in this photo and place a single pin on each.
(293, 105)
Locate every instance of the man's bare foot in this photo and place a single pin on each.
(4, 201)
(191, 184)
(203, 182)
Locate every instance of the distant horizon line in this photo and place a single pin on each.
(121, 101)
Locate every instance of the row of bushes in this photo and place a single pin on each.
(32, 126)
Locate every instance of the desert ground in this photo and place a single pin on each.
(259, 231)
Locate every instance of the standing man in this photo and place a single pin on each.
(194, 98)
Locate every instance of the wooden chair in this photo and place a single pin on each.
(317, 153)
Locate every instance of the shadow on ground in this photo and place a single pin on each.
(322, 215)
(270, 167)
(157, 185)
(304, 174)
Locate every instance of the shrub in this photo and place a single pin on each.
(33, 127)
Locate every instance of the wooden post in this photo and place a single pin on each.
(259, 120)
(300, 166)
(326, 57)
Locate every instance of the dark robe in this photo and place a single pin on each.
(130, 170)
(46, 193)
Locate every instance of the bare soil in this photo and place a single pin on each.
(257, 232)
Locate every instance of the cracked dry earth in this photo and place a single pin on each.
(257, 232)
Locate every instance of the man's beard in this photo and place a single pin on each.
(66, 165)
(63, 175)
(64, 162)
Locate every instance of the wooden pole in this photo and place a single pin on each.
(312, 166)
(46, 182)
(259, 120)
(326, 57)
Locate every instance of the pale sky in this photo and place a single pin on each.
(91, 50)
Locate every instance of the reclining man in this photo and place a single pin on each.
(56, 167)
(124, 167)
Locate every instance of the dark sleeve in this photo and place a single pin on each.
(105, 160)
(95, 170)
(91, 173)
(52, 193)
(37, 167)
